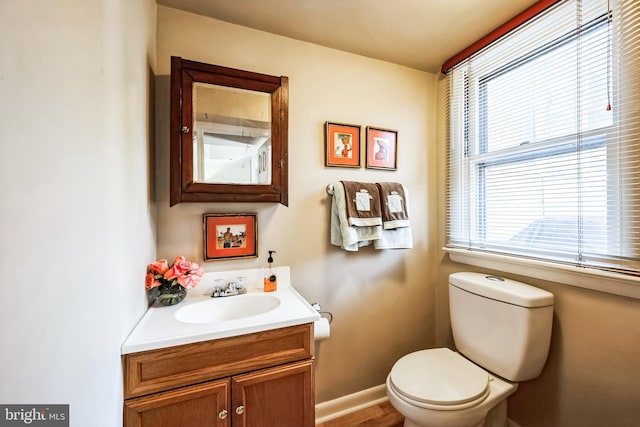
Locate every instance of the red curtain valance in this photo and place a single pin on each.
(505, 28)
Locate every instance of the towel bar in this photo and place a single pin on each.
(330, 189)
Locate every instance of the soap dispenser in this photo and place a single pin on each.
(270, 278)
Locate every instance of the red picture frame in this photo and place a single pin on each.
(382, 148)
(342, 145)
(228, 236)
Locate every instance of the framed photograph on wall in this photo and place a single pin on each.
(342, 145)
(229, 236)
(382, 148)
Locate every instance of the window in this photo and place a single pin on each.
(544, 146)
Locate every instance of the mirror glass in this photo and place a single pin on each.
(231, 135)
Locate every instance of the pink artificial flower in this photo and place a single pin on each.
(150, 282)
(196, 269)
(188, 281)
(192, 277)
(159, 267)
(180, 266)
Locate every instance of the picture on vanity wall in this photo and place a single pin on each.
(229, 236)
(382, 148)
(342, 145)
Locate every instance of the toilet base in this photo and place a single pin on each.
(408, 423)
(497, 417)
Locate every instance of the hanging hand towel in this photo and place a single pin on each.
(362, 201)
(393, 205)
(348, 237)
(397, 238)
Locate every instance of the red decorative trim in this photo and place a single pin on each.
(502, 30)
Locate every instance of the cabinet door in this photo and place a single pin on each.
(201, 405)
(281, 396)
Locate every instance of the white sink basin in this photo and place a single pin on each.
(227, 308)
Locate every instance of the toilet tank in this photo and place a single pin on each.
(500, 324)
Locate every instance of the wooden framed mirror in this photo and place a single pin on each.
(229, 134)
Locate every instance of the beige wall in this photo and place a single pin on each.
(591, 378)
(382, 301)
(77, 224)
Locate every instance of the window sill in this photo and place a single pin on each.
(602, 281)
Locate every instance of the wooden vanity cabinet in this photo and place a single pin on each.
(266, 381)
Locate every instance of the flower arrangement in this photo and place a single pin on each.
(172, 281)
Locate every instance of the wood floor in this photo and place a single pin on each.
(382, 415)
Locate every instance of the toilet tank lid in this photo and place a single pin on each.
(501, 289)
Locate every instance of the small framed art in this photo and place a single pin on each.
(229, 236)
(382, 148)
(342, 145)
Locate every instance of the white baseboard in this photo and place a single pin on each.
(344, 405)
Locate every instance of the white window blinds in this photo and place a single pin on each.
(544, 139)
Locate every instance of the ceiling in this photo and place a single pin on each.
(419, 34)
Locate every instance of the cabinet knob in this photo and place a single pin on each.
(185, 129)
(223, 414)
(240, 410)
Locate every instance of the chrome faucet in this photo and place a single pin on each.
(232, 288)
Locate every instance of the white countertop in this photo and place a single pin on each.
(159, 327)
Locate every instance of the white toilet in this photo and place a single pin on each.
(501, 329)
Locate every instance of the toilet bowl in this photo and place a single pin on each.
(440, 388)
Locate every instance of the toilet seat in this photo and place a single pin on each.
(439, 378)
